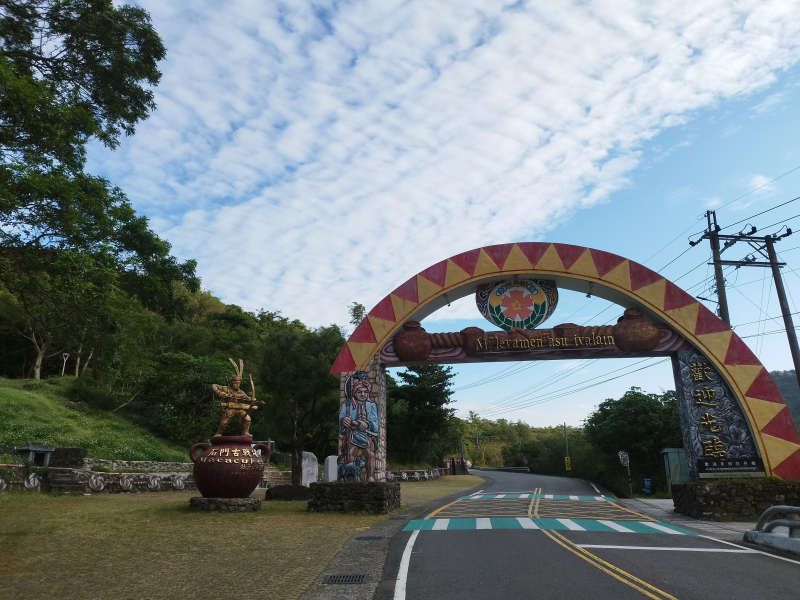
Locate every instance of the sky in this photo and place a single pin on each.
(313, 154)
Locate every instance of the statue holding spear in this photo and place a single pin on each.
(235, 401)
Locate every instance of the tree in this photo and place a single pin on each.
(418, 423)
(357, 313)
(302, 396)
(641, 424)
(72, 71)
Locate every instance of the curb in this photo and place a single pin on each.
(773, 540)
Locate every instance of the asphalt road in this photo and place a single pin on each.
(530, 543)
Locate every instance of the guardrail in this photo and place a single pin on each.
(792, 524)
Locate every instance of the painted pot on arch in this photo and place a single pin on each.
(413, 343)
(634, 333)
(228, 467)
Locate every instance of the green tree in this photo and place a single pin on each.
(72, 71)
(302, 396)
(419, 426)
(639, 423)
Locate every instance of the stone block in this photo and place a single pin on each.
(330, 469)
(224, 504)
(310, 468)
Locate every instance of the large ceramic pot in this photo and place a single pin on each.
(413, 343)
(634, 333)
(228, 467)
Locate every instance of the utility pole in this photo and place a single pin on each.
(765, 247)
(713, 235)
(769, 242)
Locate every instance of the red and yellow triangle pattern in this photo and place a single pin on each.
(762, 402)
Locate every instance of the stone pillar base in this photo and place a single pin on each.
(225, 504)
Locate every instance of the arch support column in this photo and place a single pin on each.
(367, 440)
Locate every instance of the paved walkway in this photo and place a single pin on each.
(663, 510)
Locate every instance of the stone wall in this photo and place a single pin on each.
(373, 496)
(68, 458)
(719, 501)
(149, 466)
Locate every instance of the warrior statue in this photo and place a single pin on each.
(235, 402)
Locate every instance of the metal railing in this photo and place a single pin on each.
(792, 521)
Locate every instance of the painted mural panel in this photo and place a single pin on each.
(362, 425)
(716, 437)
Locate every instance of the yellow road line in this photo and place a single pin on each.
(599, 563)
(438, 510)
(633, 512)
(536, 508)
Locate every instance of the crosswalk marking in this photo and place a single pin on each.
(508, 496)
(660, 527)
(525, 496)
(573, 497)
(557, 524)
(527, 523)
(548, 496)
(500, 496)
(616, 526)
(571, 525)
(441, 525)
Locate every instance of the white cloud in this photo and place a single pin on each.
(338, 148)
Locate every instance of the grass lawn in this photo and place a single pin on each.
(36, 411)
(417, 492)
(151, 546)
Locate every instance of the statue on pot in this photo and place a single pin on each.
(358, 424)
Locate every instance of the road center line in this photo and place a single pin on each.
(743, 551)
(402, 573)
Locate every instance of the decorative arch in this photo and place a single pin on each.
(615, 278)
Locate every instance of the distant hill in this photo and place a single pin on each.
(787, 384)
(40, 411)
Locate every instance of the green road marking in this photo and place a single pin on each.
(455, 524)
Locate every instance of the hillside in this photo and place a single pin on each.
(40, 411)
(787, 384)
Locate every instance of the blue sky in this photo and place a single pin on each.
(327, 151)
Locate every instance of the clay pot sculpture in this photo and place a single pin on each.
(228, 467)
(413, 343)
(634, 333)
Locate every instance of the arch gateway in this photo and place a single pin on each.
(734, 420)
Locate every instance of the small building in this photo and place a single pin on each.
(38, 454)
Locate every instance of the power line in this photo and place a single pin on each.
(761, 213)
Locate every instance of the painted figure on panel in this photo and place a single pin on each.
(236, 402)
(358, 424)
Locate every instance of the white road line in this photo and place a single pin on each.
(616, 526)
(476, 493)
(548, 496)
(573, 497)
(525, 496)
(527, 523)
(708, 537)
(440, 525)
(596, 490)
(672, 549)
(483, 523)
(476, 497)
(600, 498)
(402, 573)
(571, 525)
(500, 496)
(660, 527)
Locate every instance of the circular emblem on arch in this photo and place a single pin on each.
(524, 303)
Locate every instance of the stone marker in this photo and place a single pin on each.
(310, 468)
(329, 472)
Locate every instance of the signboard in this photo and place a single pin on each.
(568, 462)
(716, 435)
(623, 458)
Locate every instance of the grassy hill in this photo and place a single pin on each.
(787, 384)
(40, 411)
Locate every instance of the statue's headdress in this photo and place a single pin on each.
(238, 368)
(361, 381)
